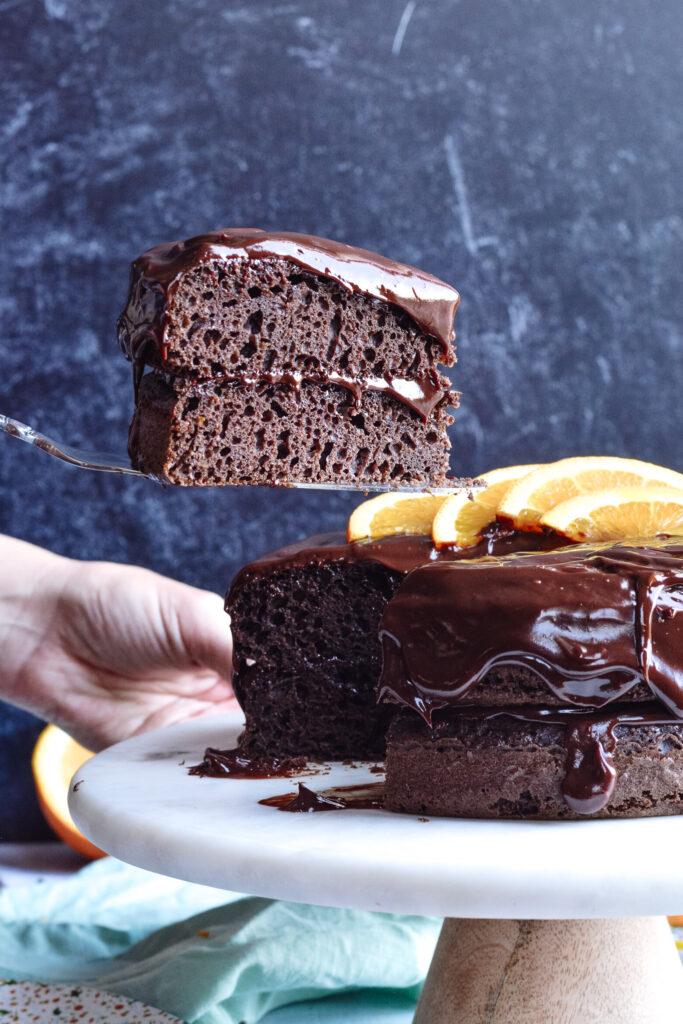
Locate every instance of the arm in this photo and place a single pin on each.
(107, 651)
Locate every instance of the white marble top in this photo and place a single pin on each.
(137, 801)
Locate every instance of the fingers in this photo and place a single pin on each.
(198, 628)
(134, 622)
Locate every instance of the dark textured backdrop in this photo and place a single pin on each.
(528, 151)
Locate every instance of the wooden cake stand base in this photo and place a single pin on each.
(609, 971)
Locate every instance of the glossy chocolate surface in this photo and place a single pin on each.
(365, 797)
(233, 764)
(401, 552)
(305, 801)
(591, 621)
(429, 302)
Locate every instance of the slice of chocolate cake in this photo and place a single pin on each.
(597, 631)
(307, 652)
(283, 358)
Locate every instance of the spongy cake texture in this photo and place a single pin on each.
(262, 371)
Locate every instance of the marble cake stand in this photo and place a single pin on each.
(535, 932)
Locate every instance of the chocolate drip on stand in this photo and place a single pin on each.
(366, 797)
(306, 801)
(232, 764)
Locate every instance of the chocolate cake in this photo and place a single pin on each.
(521, 678)
(307, 653)
(281, 358)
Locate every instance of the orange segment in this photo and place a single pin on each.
(531, 497)
(463, 516)
(56, 758)
(618, 513)
(394, 513)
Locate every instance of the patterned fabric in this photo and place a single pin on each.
(23, 1001)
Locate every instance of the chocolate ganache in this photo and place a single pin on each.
(399, 552)
(592, 621)
(429, 302)
(421, 394)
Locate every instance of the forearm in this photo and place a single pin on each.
(31, 581)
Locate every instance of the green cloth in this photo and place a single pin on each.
(143, 935)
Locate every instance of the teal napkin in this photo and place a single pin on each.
(207, 956)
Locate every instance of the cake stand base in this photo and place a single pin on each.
(621, 970)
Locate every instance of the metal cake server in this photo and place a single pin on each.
(108, 463)
(75, 456)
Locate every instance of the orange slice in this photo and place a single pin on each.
(464, 515)
(618, 513)
(531, 497)
(56, 757)
(394, 513)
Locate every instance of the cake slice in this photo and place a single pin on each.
(283, 358)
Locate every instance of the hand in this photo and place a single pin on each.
(108, 651)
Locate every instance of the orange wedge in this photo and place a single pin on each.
(464, 515)
(394, 513)
(530, 498)
(618, 513)
(56, 757)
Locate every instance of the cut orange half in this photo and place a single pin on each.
(463, 516)
(618, 513)
(530, 498)
(394, 513)
(56, 757)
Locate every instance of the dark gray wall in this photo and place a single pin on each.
(528, 151)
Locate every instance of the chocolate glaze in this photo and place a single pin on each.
(232, 764)
(306, 801)
(591, 620)
(369, 796)
(590, 775)
(401, 552)
(421, 394)
(429, 302)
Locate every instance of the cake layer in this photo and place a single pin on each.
(306, 659)
(243, 301)
(325, 713)
(226, 432)
(592, 622)
(474, 765)
(305, 624)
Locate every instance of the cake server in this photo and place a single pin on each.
(109, 463)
